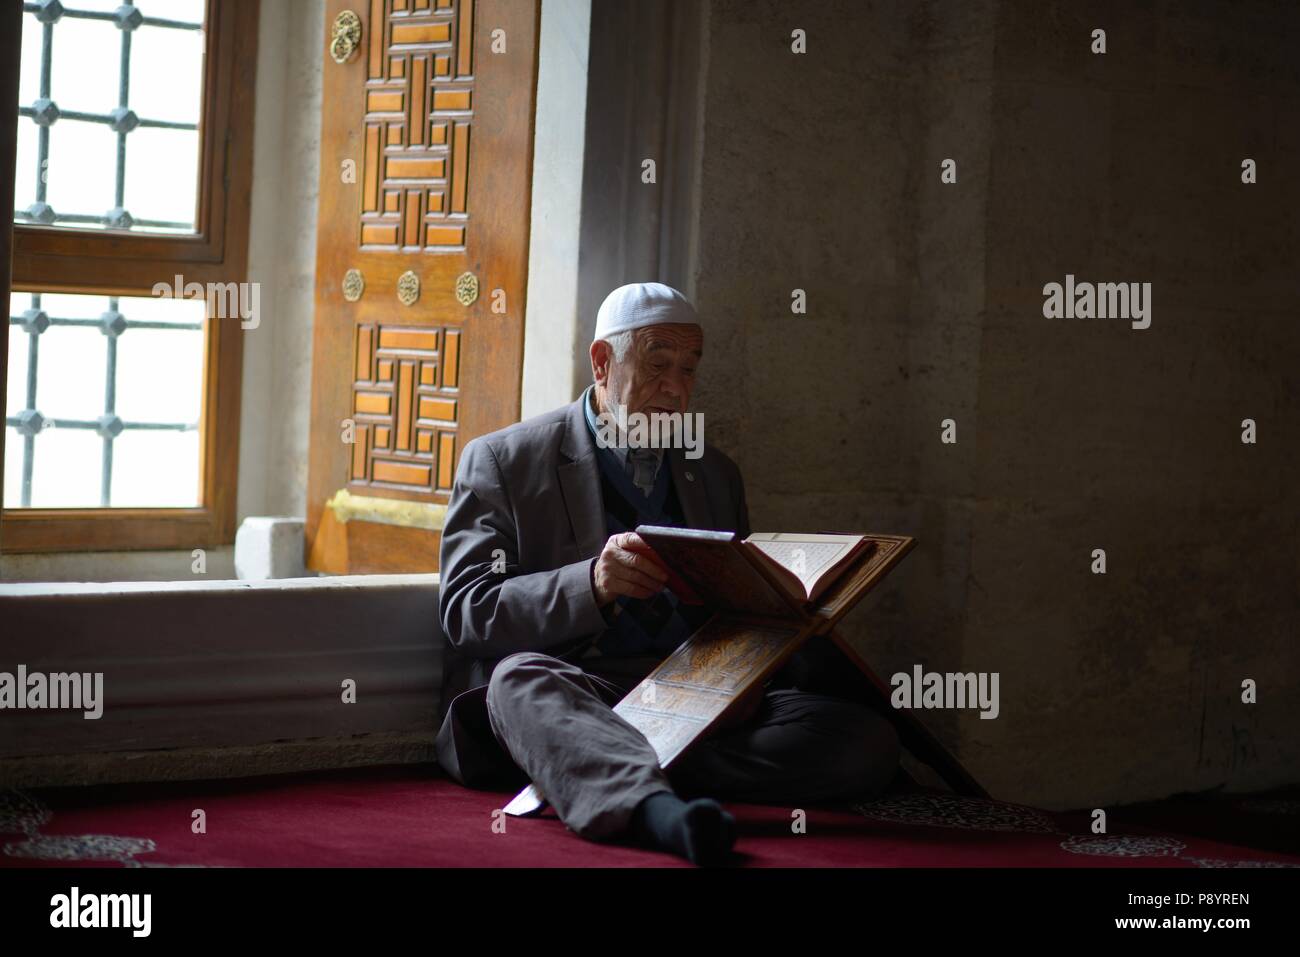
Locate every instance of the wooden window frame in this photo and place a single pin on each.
(45, 258)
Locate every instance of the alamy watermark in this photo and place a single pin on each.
(654, 430)
(1103, 300)
(78, 691)
(933, 689)
(226, 300)
(75, 909)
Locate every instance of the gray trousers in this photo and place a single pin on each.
(556, 721)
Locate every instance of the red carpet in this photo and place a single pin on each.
(410, 817)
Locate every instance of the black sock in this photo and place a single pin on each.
(700, 831)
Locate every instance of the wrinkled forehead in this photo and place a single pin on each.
(671, 336)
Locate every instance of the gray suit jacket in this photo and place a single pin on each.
(529, 497)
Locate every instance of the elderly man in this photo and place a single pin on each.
(553, 611)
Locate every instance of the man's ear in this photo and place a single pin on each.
(601, 356)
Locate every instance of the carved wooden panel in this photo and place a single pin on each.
(419, 101)
(439, 128)
(405, 403)
(722, 663)
(707, 675)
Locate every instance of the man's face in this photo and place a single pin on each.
(656, 375)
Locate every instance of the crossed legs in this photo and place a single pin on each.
(557, 723)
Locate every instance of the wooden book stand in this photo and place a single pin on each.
(701, 684)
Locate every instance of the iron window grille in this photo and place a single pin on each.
(29, 422)
(123, 120)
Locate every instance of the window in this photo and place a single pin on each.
(130, 232)
(107, 381)
(103, 84)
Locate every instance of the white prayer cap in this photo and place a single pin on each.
(642, 304)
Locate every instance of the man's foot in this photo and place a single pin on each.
(700, 831)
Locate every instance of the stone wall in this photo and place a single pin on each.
(821, 172)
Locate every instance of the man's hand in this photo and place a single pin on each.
(624, 568)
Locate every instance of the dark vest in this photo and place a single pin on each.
(652, 626)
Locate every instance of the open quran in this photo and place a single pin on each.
(715, 568)
(769, 594)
